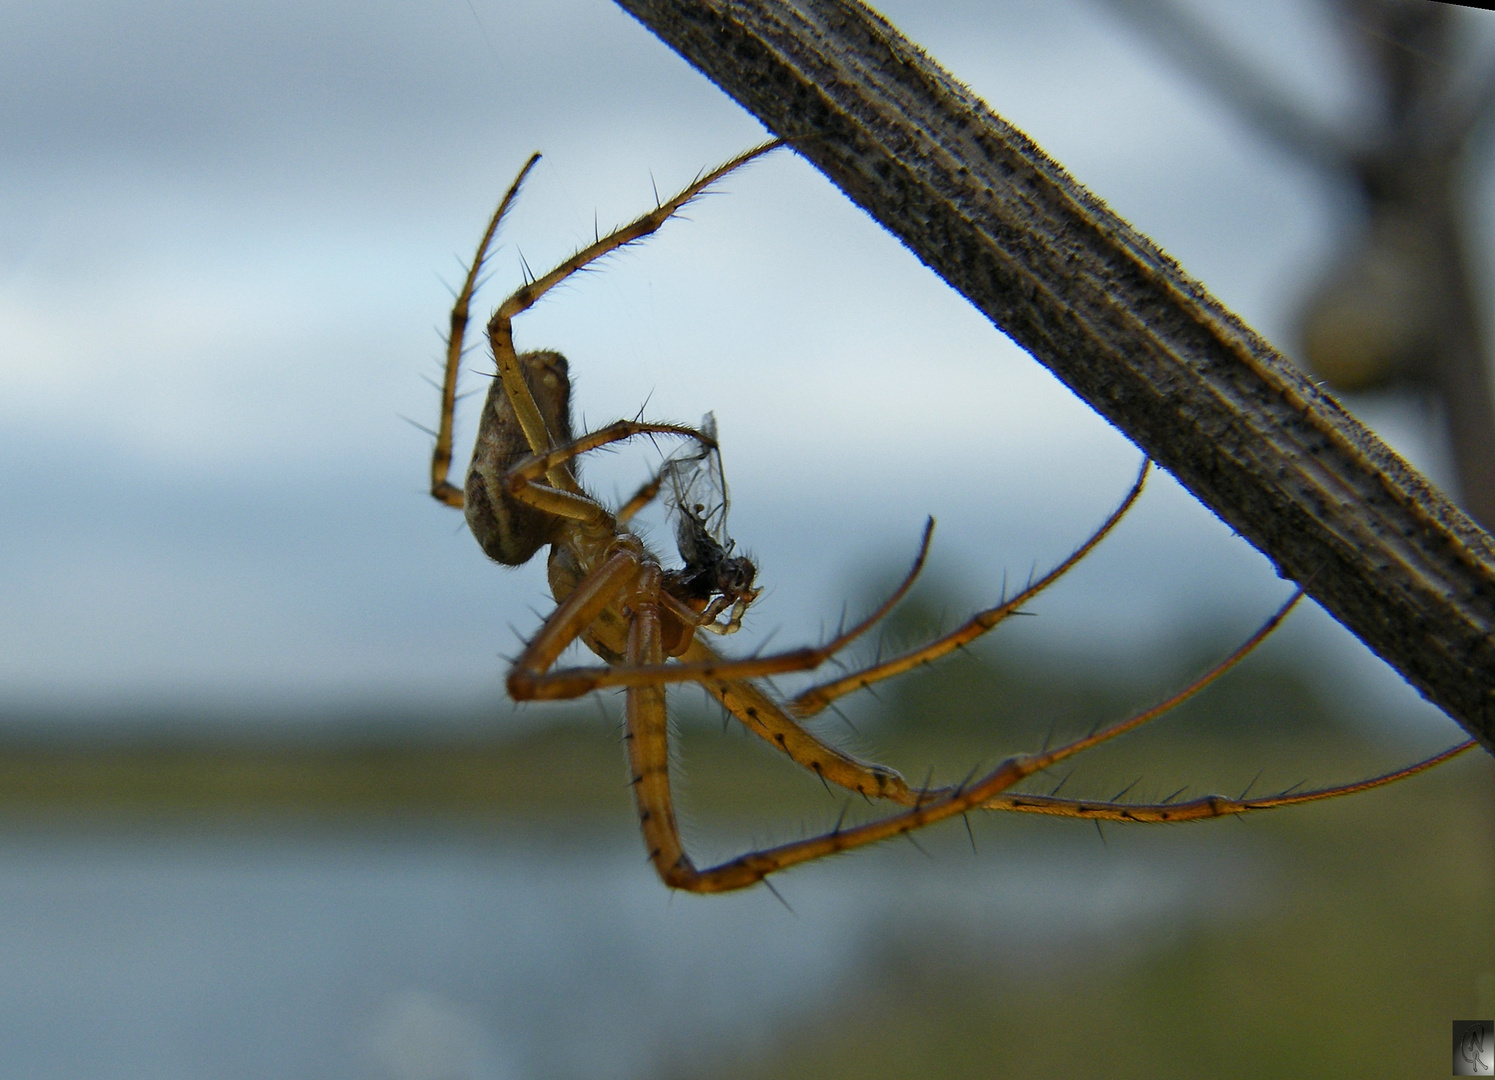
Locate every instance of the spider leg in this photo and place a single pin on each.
(585, 604)
(500, 328)
(649, 754)
(769, 720)
(990, 792)
(1207, 806)
(648, 491)
(648, 757)
(544, 464)
(766, 718)
(441, 457)
(813, 700)
(749, 869)
(522, 482)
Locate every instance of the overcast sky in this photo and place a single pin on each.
(226, 233)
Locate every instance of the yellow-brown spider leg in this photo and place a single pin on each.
(990, 793)
(813, 700)
(648, 491)
(764, 717)
(753, 867)
(522, 481)
(648, 748)
(573, 682)
(500, 328)
(441, 456)
(595, 592)
(648, 757)
(1207, 806)
(546, 464)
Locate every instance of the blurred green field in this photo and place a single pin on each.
(1379, 929)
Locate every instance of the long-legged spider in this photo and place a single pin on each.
(646, 622)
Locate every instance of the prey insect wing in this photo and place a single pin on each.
(698, 502)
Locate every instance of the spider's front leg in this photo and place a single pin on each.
(524, 405)
(500, 327)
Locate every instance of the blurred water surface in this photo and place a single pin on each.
(447, 952)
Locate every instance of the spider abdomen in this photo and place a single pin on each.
(509, 531)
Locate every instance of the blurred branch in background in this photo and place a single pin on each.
(1114, 318)
(1397, 309)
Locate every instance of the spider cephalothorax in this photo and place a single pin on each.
(644, 621)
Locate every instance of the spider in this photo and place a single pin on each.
(648, 624)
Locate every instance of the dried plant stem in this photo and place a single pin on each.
(1111, 315)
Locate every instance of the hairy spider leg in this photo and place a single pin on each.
(765, 717)
(523, 481)
(648, 491)
(500, 332)
(500, 329)
(751, 868)
(814, 699)
(1206, 806)
(648, 753)
(441, 457)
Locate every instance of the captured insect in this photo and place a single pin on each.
(650, 625)
(698, 499)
